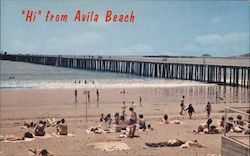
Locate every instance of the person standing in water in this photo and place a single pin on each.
(182, 105)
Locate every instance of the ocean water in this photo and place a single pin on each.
(16, 75)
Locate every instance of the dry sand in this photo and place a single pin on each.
(21, 105)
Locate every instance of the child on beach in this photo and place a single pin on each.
(182, 105)
(164, 120)
(208, 108)
(190, 110)
(222, 121)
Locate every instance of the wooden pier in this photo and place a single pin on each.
(224, 71)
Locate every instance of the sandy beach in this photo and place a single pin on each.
(19, 105)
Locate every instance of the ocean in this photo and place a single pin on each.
(16, 75)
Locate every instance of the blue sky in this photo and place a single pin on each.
(219, 28)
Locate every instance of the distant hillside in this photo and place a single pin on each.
(243, 55)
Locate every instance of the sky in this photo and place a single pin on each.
(161, 27)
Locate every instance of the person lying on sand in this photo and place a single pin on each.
(175, 143)
(62, 128)
(39, 130)
(41, 152)
(11, 138)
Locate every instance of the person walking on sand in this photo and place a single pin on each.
(76, 96)
(190, 110)
(208, 108)
(182, 105)
(97, 95)
(88, 97)
(140, 100)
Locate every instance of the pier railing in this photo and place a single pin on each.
(224, 71)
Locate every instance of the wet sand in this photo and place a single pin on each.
(21, 105)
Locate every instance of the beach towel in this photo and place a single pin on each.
(46, 136)
(62, 136)
(110, 146)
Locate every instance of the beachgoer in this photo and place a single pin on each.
(142, 122)
(164, 120)
(203, 126)
(39, 130)
(208, 108)
(132, 123)
(175, 143)
(76, 92)
(85, 82)
(116, 118)
(140, 100)
(41, 152)
(190, 110)
(124, 108)
(122, 123)
(229, 126)
(182, 105)
(132, 104)
(88, 97)
(97, 95)
(79, 81)
(93, 82)
(62, 128)
(101, 118)
(108, 119)
(239, 120)
(133, 114)
(222, 121)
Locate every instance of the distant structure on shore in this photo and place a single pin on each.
(220, 70)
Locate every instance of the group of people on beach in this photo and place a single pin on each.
(88, 96)
(39, 130)
(124, 122)
(85, 82)
(190, 108)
